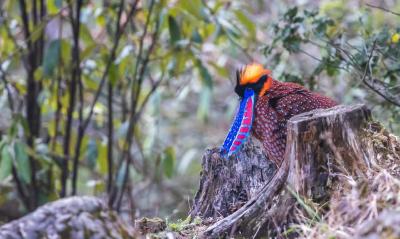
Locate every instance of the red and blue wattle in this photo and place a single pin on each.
(240, 129)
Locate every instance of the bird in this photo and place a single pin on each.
(265, 107)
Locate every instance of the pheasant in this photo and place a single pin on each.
(266, 106)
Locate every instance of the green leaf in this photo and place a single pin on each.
(58, 3)
(38, 74)
(291, 13)
(22, 162)
(21, 120)
(122, 130)
(204, 105)
(113, 74)
(91, 153)
(53, 6)
(85, 34)
(66, 50)
(196, 37)
(90, 83)
(310, 13)
(174, 31)
(205, 75)
(51, 57)
(38, 31)
(102, 157)
(121, 174)
(222, 71)
(168, 161)
(5, 162)
(193, 7)
(87, 51)
(246, 22)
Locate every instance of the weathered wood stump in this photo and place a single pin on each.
(225, 185)
(254, 200)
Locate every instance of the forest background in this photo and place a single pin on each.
(119, 99)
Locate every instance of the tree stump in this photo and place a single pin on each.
(225, 185)
(247, 196)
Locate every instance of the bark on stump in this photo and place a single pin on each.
(246, 196)
(225, 185)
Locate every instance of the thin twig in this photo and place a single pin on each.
(382, 89)
(75, 75)
(110, 61)
(77, 80)
(22, 195)
(134, 97)
(110, 130)
(32, 108)
(320, 60)
(377, 86)
(383, 9)
(134, 101)
(367, 66)
(58, 89)
(83, 126)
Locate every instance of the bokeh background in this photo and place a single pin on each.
(119, 99)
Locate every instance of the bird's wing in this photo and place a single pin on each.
(281, 109)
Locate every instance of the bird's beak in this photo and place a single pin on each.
(241, 126)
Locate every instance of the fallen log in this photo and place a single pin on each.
(318, 143)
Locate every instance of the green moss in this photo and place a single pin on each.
(181, 225)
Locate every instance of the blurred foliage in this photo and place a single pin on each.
(354, 52)
(83, 91)
(122, 100)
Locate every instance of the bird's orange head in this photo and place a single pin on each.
(253, 76)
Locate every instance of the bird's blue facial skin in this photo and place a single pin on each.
(241, 126)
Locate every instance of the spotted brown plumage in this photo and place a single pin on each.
(275, 103)
(273, 110)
